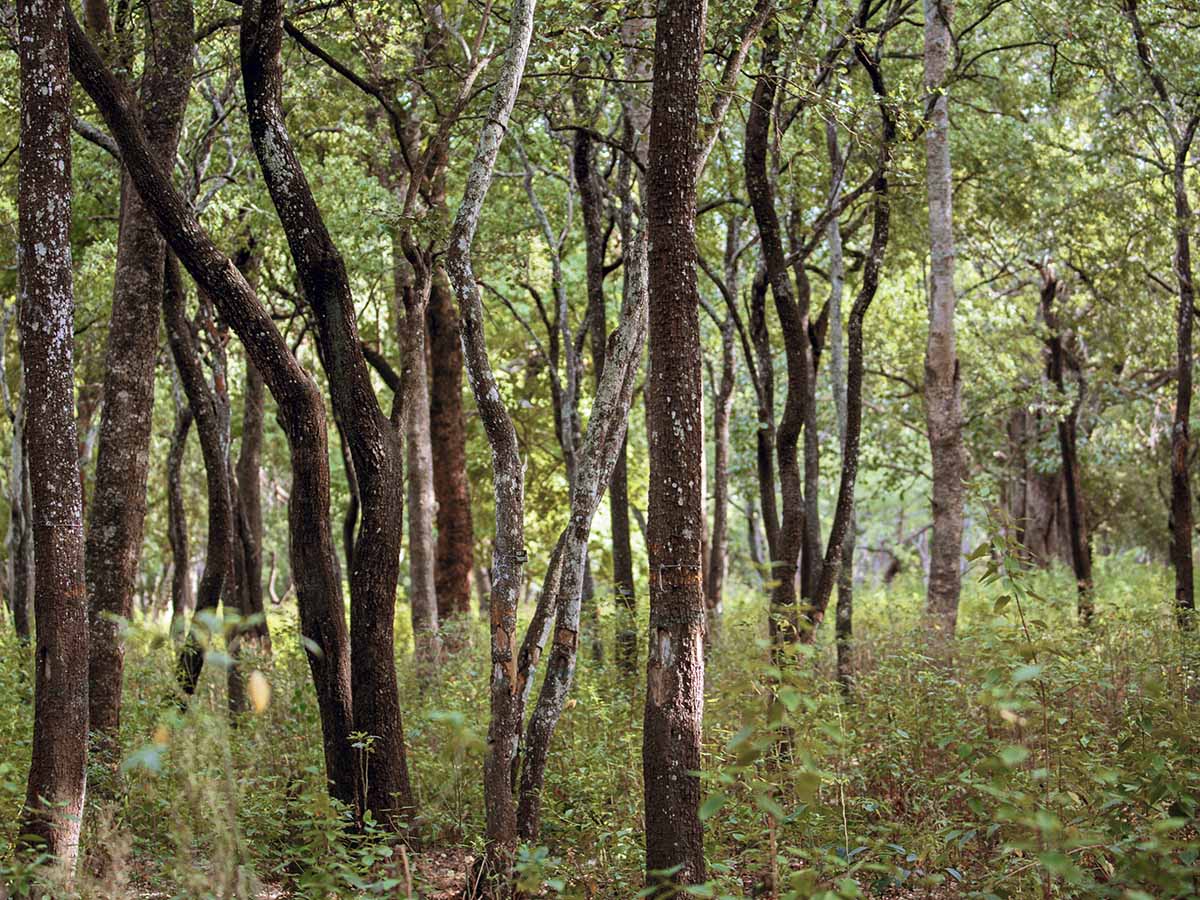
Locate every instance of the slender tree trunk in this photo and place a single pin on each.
(21, 521)
(118, 511)
(1182, 519)
(448, 443)
(943, 391)
(58, 768)
(1081, 548)
(844, 624)
(301, 408)
(855, 364)
(410, 305)
(250, 521)
(211, 414)
(790, 541)
(597, 456)
(675, 670)
(508, 470)
(718, 567)
(182, 599)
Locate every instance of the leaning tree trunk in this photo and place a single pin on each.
(374, 440)
(508, 470)
(301, 409)
(675, 670)
(790, 541)
(118, 510)
(943, 392)
(211, 414)
(58, 767)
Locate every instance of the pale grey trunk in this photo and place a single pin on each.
(844, 622)
(943, 396)
(507, 466)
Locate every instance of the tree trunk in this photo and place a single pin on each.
(1182, 519)
(844, 622)
(58, 769)
(410, 303)
(943, 392)
(448, 442)
(675, 670)
(211, 413)
(250, 522)
(20, 528)
(790, 541)
(718, 567)
(1081, 547)
(597, 456)
(855, 364)
(301, 408)
(182, 599)
(373, 439)
(118, 511)
(508, 470)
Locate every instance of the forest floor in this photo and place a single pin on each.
(1038, 758)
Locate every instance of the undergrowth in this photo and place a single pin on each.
(1034, 758)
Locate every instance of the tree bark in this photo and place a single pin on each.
(943, 390)
(508, 470)
(792, 311)
(183, 601)
(1081, 546)
(118, 509)
(211, 413)
(411, 301)
(301, 407)
(373, 439)
(448, 443)
(58, 768)
(675, 669)
(855, 365)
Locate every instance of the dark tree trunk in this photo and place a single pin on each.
(21, 522)
(58, 769)
(374, 440)
(250, 522)
(301, 408)
(182, 599)
(793, 320)
(118, 510)
(855, 365)
(675, 670)
(211, 414)
(1081, 547)
(448, 440)
(1182, 520)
